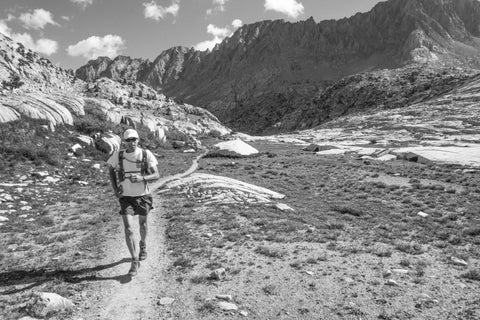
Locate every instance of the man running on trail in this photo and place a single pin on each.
(130, 170)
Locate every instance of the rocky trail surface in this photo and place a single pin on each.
(125, 297)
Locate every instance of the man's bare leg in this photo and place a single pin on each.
(143, 236)
(129, 236)
(143, 228)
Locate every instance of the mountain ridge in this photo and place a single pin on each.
(269, 59)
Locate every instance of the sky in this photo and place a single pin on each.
(71, 32)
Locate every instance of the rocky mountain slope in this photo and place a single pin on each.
(270, 69)
(32, 87)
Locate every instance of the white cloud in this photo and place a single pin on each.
(38, 19)
(82, 3)
(291, 8)
(156, 12)
(218, 35)
(218, 6)
(237, 23)
(43, 45)
(4, 28)
(94, 46)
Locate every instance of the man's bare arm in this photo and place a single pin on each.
(113, 180)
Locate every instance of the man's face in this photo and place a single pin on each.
(131, 143)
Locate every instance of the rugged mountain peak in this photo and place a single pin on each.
(267, 64)
(31, 69)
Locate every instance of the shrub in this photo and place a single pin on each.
(473, 274)
(409, 247)
(13, 82)
(270, 252)
(344, 209)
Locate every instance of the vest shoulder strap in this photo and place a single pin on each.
(144, 162)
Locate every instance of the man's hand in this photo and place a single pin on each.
(136, 178)
(117, 193)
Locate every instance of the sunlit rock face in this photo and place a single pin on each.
(32, 87)
(258, 79)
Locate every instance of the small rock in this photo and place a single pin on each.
(26, 208)
(209, 235)
(51, 180)
(422, 214)
(23, 178)
(7, 197)
(86, 160)
(40, 174)
(469, 171)
(391, 282)
(283, 207)
(402, 271)
(459, 262)
(46, 303)
(96, 166)
(243, 313)
(218, 274)
(166, 301)
(227, 306)
(225, 297)
(189, 151)
(310, 273)
(76, 147)
(348, 280)
(3, 219)
(83, 183)
(387, 273)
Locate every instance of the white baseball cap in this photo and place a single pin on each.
(130, 133)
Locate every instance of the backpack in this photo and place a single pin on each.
(121, 171)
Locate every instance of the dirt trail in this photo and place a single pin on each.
(134, 298)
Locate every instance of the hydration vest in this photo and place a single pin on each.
(121, 171)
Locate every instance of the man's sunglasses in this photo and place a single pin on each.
(131, 139)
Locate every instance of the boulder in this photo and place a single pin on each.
(75, 148)
(46, 303)
(85, 141)
(160, 134)
(233, 148)
(108, 143)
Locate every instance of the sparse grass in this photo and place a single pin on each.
(473, 274)
(405, 262)
(206, 307)
(348, 209)
(382, 251)
(198, 279)
(413, 248)
(270, 289)
(271, 252)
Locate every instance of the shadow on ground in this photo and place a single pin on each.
(38, 277)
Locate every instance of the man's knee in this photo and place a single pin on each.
(128, 231)
(143, 222)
